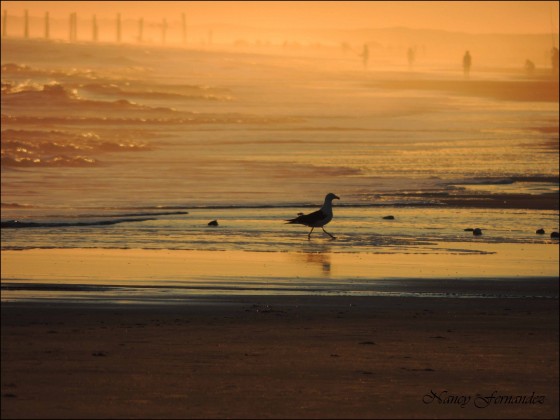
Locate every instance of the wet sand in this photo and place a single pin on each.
(508, 90)
(287, 357)
(545, 201)
(471, 269)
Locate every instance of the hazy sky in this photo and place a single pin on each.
(462, 16)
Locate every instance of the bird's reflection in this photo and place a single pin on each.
(318, 256)
(323, 260)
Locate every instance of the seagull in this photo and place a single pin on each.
(318, 218)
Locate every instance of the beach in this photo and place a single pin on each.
(282, 357)
(147, 266)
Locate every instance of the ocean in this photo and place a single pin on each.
(138, 148)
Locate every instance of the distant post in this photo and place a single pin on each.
(184, 18)
(141, 30)
(163, 30)
(47, 26)
(5, 24)
(73, 31)
(26, 24)
(94, 29)
(118, 27)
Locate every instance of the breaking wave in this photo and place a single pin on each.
(159, 92)
(108, 83)
(56, 95)
(56, 148)
(16, 224)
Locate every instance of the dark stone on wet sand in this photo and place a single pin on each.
(554, 235)
(213, 223)
(477, 232)
(389, 217)
(540, 232)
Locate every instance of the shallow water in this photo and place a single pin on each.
(357, 229)
(126, 147)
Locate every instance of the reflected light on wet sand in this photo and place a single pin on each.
(162, 267)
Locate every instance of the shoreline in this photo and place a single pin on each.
(136, 275)
(483, 199)
(512, 201)
(280, 357)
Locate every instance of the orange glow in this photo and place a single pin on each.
(136, 267)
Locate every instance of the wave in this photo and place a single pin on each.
(109, 84)
(138, 210)
(57, 287)
(16, 224)
(156, 92)
(37, 148)
(57, 104)
(163, 213)
(17, 206)
(140, 214)
(19, 71)
(56, 95)
(187, 119)
(54, 162)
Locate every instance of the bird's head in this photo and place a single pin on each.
(331, 197)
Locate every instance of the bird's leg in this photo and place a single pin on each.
(309, 234)
(327, 233)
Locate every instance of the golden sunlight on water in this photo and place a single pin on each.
(143, 267)
(461, 16)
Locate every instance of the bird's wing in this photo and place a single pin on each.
(308, 219)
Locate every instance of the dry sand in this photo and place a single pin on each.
(297, 357)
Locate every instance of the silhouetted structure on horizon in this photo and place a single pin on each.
(73, 27)
(26, 24)
(94, 29)
(47, 26)
(5, 23)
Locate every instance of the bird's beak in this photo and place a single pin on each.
(337, 197)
